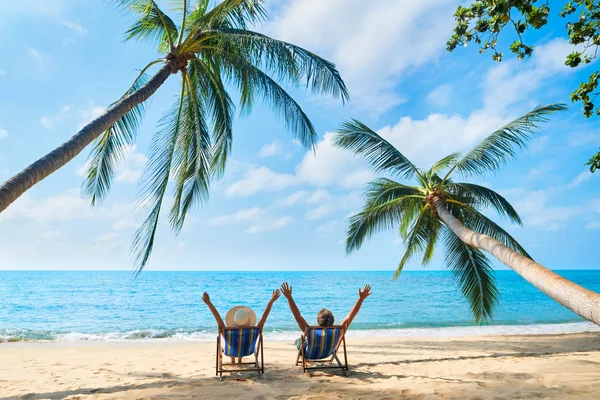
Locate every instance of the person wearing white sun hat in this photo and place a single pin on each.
(240, 316)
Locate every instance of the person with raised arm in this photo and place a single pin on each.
(325, 317)
(240, 316)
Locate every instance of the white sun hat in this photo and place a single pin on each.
(240, 316)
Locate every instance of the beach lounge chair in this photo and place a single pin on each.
(240, 342)
(320, 348)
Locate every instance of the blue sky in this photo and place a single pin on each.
(280, 206)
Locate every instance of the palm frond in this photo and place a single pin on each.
(111, 148)
(480, 196)
(386, 205)
(444, 163)
(288, 61)
(474, 275)
(191, 159)
(254, 82)
(153, 25)
(421, 238)
(500, 147)
(378, 152)
(236, 13)
(220, 108)
(478, 222)
(155, 180)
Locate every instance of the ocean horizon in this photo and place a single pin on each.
(167, 305)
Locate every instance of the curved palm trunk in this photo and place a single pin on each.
(576, 298)
(13, 188)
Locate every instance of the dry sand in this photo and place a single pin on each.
(486, 367)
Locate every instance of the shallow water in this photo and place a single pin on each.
(75, 305)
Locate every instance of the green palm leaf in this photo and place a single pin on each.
(191, 158)
(219, 106)
(478, 222)
(111, 148)
(378, 152)
(421, 238)
(287, 60)
(479, 196)
(153, 25)
(155, 180)
(444, 163)
(252, 80)
(500, 147)
(473, 274)
(387, 205)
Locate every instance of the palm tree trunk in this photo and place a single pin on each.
(576, 298)
(13, 188)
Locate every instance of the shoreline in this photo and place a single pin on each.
(290, 335)
(563, 366)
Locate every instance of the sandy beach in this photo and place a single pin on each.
(485, 367)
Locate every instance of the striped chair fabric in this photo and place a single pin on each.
(322, 342)
(240, 342)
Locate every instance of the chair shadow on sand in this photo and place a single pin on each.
(362, 374)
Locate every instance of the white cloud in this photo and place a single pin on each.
(346, 202)
(269, 150)
(66, 206)
(593, 225)
(74, 26)
(3, 133)
(318, 196)
(240, 216)
(440, 96)
(124, 224)
(579, 179)
(270, 224)
(130, 170)
(331, 166)
(259, 179)
(180, 246)
(328, 227)
(61, 115)
(533, 207)
(36, 56)
(405, 33)
(2, 72)
(52, 234)
(293, 199)
(426, 140)
(89, 114)
(583, 139)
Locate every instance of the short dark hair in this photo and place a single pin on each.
(325, 318)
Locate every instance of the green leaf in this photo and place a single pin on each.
(500, 147)
(111, 148)
(378, 152)
(473, 274)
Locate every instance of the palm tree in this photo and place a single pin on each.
(210, 49)
(439, 207)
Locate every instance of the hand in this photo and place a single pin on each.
(275, 295)
(286, 290)
(366, 292)
(205, 298)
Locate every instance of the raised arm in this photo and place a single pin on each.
(274, 297)
(214, 311)
(362, 295)
(287, 292)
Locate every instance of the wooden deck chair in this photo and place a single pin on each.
(240, 342)
(320, 346)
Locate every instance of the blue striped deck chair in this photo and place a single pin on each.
(319, 346)
(239, 343)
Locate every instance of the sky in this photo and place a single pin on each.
(280, 206)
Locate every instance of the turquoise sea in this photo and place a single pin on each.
(94, 305)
